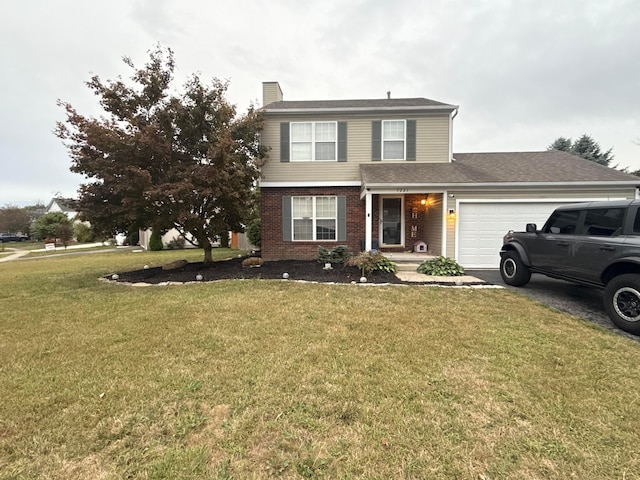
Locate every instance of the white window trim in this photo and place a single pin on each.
(314, 219)
(313, 142)
(404, 140)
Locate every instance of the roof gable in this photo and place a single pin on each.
(67, 205)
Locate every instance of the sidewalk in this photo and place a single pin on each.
(17, 253)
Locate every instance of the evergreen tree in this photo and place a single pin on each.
(585, 147)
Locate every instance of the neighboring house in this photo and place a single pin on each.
(236, 240)
(64, 205)
(173, 235)
(381, 174)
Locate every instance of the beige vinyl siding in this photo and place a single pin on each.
(271, 92)
(432, 226)
(432, 145)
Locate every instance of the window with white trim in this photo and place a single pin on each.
(314, 141)
(393, 139)
(314, 218)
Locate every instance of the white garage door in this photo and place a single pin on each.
(481, 227)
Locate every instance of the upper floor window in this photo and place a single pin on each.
(393, 139)
(314, 141)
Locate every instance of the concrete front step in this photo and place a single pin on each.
(406, 267)
(407, 263)
(408, 257)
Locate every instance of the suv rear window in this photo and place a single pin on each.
(562, 221)
(604, 222)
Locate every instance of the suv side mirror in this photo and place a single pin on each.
(532, 228)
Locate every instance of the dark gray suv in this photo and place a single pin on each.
(596, 243)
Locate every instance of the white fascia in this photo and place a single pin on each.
(440, 186)
(446, 108)
(346, 183)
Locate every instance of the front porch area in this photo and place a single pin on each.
(401, 222)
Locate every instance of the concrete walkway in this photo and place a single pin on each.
(13, 256)
(17, 253)
(407, 263)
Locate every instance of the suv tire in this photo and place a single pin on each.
(622, 302)
(513, 271)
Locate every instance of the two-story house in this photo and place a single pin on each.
(381, 174)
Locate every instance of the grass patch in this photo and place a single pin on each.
(270, 379)
(74, 251)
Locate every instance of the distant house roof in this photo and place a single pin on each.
(357, 105)
(547, 167)
(66, 205)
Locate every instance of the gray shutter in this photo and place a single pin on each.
(376, 140)
(284, 142)
(342, 219)
(342, 141)
(411, 139)
(286, 218)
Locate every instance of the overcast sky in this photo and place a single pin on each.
(523, 72)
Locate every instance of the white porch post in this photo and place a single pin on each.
(368, 206)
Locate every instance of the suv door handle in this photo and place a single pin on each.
(562, 244)
(607, 248)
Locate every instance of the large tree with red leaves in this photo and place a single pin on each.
(161, 159)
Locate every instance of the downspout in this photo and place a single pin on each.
(454, 115)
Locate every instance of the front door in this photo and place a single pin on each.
(391, 221)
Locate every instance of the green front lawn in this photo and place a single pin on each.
(270, 379)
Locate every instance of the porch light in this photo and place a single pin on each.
(452, 212)
(423, 201)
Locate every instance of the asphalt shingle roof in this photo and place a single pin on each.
(398, 103)
(550, 166)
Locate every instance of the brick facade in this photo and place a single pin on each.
(273, 246)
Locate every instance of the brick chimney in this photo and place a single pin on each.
(271, 92)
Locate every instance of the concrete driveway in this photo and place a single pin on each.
(578, 300)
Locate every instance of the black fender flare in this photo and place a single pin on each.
(620, 267)
(519, 249)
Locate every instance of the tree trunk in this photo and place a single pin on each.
(207, 252)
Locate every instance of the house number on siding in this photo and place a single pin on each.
(402, 190)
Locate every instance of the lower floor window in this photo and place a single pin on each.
(314, 218)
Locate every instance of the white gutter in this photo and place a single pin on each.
(361, 109)
(617, 183)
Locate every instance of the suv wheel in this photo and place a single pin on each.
(513, 271)
(622, 302)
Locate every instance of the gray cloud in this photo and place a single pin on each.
(522, 72)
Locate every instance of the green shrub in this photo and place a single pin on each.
(176, 243)
(155, 241)
(338, 254)
(254, 232)
(45, 226)
(441, 266)
(369, 262)
(83, 232)
(133, 238)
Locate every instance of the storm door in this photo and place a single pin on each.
(391, 221)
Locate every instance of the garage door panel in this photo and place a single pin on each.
(481, 227)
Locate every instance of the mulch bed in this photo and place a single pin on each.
(307, 270)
